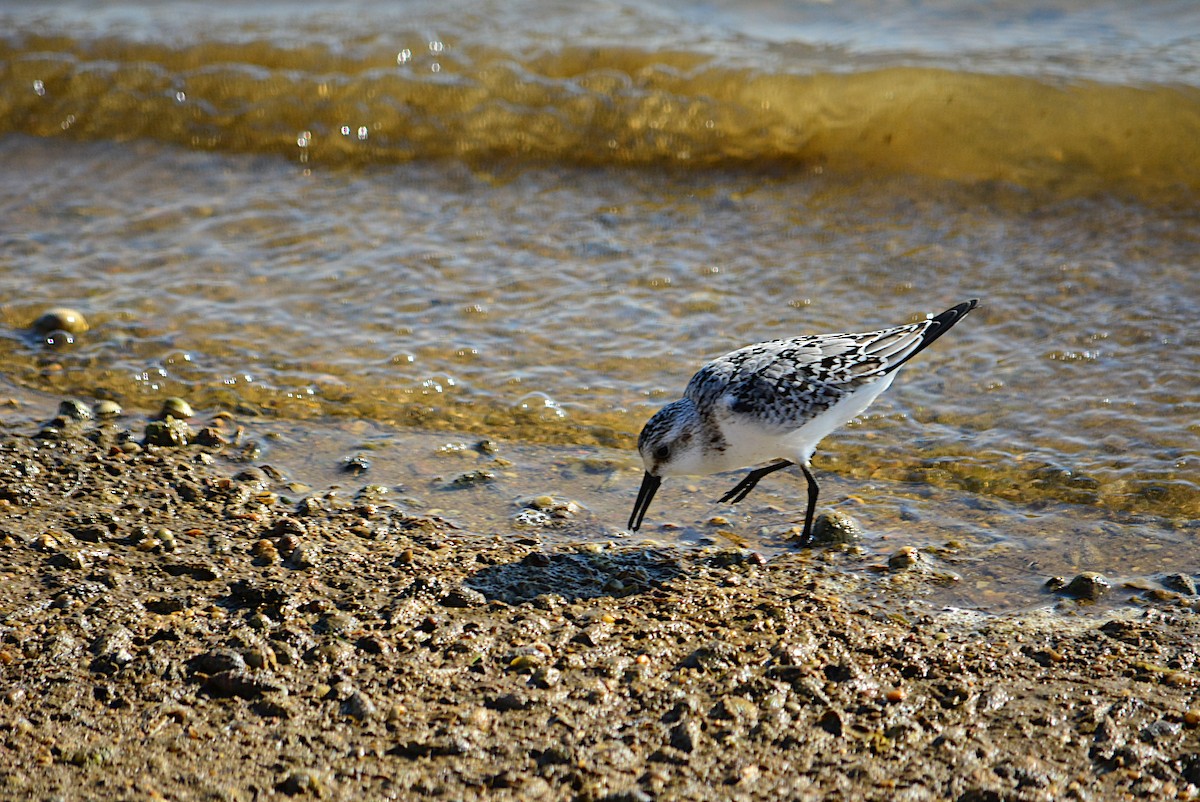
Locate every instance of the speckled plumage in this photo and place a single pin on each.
(775, 401)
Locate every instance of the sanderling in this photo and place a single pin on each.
(776, 401)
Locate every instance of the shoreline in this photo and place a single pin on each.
(175, 625)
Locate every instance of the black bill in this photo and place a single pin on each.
(650, 485)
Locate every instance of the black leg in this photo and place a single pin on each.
(813, 490)
(744, 487)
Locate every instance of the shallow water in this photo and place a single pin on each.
(278, 211)
(983, 554)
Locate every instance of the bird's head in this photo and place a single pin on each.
(670, 445)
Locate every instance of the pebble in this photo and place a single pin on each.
(834, 528)
(74, 411)
(531, 518)
(906, 558)
(356, 465)
(1183, 583)
(473, 478)
(106, 409)
(304, 781)
(1088, 586)
(265, 551)
(61, 318)
(360, 707)
(170, 432)
(176, 408)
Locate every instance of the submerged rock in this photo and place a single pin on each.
(61, 318)
(833, 528)
(1088, 586)
(1181, 583)
(356, 465)
(545, 510)
(471, 479)
(176, 408)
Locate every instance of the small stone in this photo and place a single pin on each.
(304, 556)
(735, 707)
(304, 781)
(287, 545)
(531, 518)
(265, 551)
(462, 597)
(170, 432)
(260, 657)
(176, 408)
(906, 558)
(106, 409)
(525, 663)
(359, 706)
(507, 702)
(166, 537)
(74, 411)
(241, 683)
(356, 465)
(148, 542)
(833, 528)
(252, 475)
(544, 509)
(472, 479)
(61, 318)
(1182, 583)
(73, 558)
(1088, 586)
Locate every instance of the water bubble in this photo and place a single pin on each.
(403, 56)
(39, 88)
(435, 67)
(180, 97)
(436, 46)
(345, 130)
(304, 139)
(362, 132)
(538, 401)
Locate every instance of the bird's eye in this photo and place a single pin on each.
(661, 453)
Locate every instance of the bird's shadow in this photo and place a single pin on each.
(577, 575)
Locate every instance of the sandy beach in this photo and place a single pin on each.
(177, 622)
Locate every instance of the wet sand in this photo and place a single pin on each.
(182, 622)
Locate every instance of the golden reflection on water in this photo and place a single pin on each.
(590, 106)
(565, 306)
